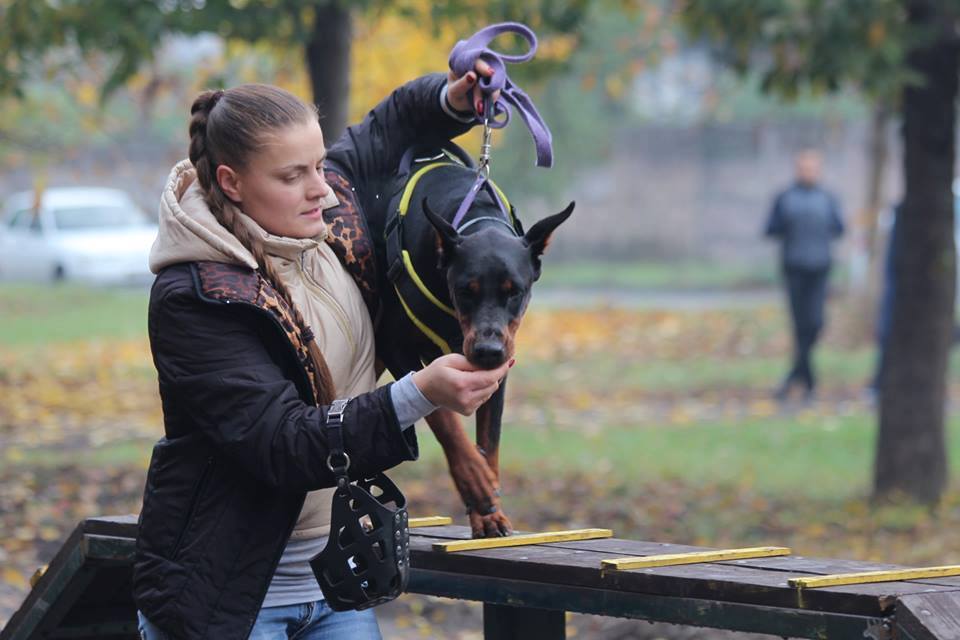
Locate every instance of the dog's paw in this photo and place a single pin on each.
(494, 525)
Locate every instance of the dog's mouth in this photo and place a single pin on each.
(489, 352)
(487, 356)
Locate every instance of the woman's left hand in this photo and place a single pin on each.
(464, 92)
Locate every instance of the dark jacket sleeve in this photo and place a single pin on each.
(836, 219)
(217, 377)
(775, 226)
(370, 151)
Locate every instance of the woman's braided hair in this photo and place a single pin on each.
(243, 117)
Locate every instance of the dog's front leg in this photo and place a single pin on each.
(475, 481)
(489, 420)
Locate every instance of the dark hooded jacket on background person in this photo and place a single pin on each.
(806, 219)
(244, 443)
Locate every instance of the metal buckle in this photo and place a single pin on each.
(335, 418)
(337, 407)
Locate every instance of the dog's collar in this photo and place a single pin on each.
(469, 223)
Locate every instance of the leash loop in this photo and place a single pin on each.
(463, 58)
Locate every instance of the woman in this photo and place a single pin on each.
(255, 327)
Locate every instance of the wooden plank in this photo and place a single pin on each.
(696, 557)
(865, 577)
(118, 526)
(784, 622)
(521, 540)
(723, 582)
(40, 610)
(430, 521)
(792, 564)
(929, 617)
(503, 622)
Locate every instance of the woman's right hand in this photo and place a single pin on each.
(453, 382)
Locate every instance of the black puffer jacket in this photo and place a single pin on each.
(244, 440)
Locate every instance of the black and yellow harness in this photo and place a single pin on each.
(431, 312)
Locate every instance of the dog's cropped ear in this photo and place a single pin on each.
(447, 237)
(538, 237)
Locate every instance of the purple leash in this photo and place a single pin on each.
(463, 57)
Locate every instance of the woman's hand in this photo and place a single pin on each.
(464, 92)
(451, 381)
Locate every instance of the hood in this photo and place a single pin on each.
(189, 232)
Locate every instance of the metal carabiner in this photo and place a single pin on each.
(484, 165)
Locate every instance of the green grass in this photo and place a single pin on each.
(37, 315)
(607, 372)
(652, 275)
(806, 456)
(663, 276)
(128, 453)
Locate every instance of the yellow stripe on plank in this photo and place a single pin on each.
(866, 577)
(522, 540)
(430, 521)
(670, 559)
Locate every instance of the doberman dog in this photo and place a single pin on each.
(446, 289)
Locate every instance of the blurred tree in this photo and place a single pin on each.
(132, 30)
(904, 54)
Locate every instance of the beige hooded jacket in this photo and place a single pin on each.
(322, 290)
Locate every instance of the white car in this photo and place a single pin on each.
(91, 234)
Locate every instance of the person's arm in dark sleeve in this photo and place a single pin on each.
(775, 225)
(214, 367)
(415, 112)
(836, 219)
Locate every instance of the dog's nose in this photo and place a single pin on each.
(488, 354)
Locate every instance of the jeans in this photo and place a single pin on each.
(807, 292)
(307, 621)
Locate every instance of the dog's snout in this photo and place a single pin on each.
(488, 354)
(491, 333)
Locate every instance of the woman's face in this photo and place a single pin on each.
(282, 185)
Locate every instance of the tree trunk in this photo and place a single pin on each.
(911, 454)
(328, 63)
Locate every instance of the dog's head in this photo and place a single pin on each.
(490, 273)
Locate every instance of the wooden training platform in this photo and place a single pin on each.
(85, 593)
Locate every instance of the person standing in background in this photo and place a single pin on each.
(805, 218)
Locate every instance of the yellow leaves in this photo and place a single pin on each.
(876, 33)
(13, 578)
(389, 49)
(615, 86)
(46, 394)
(557, 47)
(87, 94)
